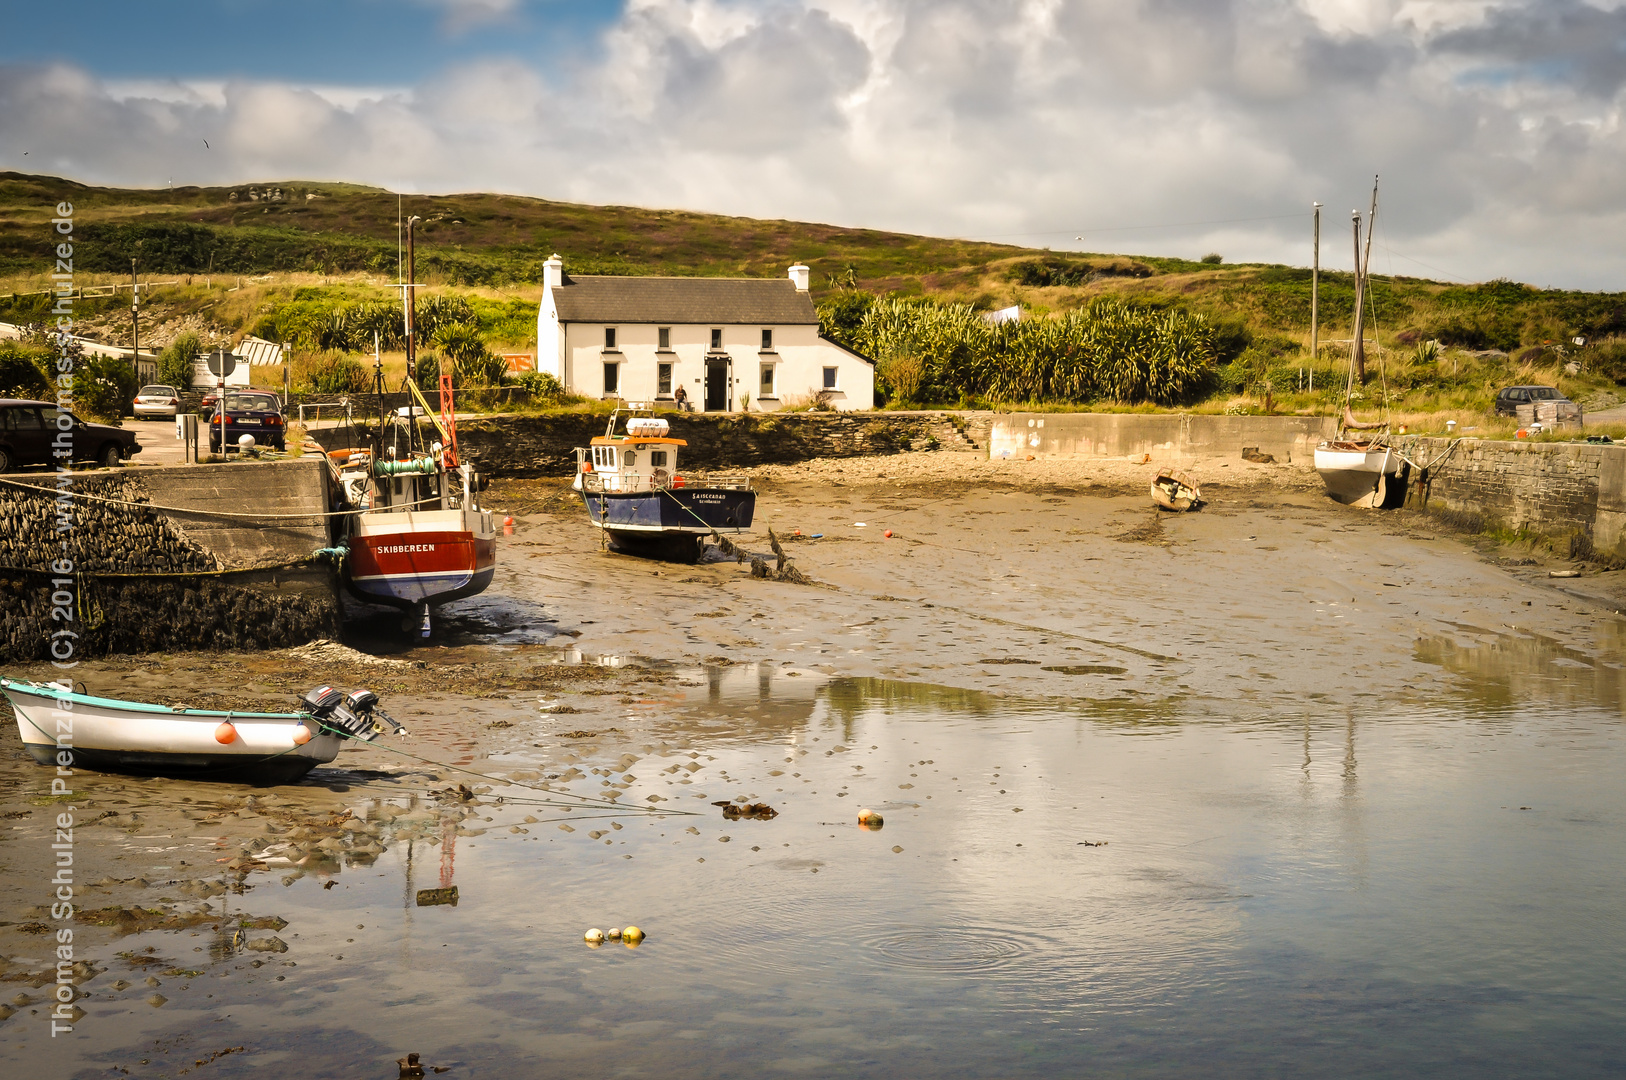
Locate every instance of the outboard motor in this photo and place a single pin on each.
(364, 704)
(355, 714)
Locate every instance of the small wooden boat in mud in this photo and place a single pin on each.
(109, 735)
(1175, 490)
(633, 492)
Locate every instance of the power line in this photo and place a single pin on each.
(1132, 228)
(1392, 253)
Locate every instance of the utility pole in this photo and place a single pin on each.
(1358, 346)
(135, 319)
(410, 287)
(1315, 290)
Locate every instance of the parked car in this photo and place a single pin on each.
(30, 435)
(159, 401)
(249, 412)
(1510, 398)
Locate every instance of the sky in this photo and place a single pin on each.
(1163, 127)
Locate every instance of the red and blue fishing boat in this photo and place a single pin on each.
(421, 538)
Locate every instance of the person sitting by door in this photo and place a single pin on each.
(681, 398)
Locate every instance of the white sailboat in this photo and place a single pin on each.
(1360, 465)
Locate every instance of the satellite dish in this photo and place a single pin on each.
(221, 363)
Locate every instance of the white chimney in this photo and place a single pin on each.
(553, 272)
(799, 274)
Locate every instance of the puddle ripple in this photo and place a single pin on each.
(950, 950)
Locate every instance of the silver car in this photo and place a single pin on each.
(156, 400)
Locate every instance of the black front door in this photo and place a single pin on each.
(716, 385)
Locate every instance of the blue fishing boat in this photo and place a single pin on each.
(633, 492)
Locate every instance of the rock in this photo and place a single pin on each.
(157, 1001)
(270, 944)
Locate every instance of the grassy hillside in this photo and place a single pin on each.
(293, 268)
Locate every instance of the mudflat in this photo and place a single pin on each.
(1142, 773)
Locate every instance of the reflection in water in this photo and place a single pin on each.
(1048, 897)
(1503, 670)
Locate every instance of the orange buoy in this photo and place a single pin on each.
(302, 734)
(887, 534)
(225, 733)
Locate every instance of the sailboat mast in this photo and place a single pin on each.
(1357, 347)
(1315, 292)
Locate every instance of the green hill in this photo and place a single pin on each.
(333, 238)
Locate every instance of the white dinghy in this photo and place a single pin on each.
(109, 735)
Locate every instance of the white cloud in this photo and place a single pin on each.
(1496, 125)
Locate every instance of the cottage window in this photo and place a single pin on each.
(767, 382)
(829, 378)
(612, 378)
(609, 337)
(716, 338)
(663, 338)
(767, 340)
(663, 379)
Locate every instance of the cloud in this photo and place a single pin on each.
(461, 15)
(1496, 124)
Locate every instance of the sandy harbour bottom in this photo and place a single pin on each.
(1277, 787)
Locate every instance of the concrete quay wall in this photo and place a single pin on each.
(152, 579)
(1554, 489)
(1167, 437)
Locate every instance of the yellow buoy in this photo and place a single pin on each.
(632, 935)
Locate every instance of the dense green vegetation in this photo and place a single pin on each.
(1108, 349)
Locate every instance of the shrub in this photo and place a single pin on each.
(23, 371)
(1607, 358)
(428, 374)
(1213, 258)
(333, 373)
(841, 315)
(177, 363)
(474, 364)
(542, 386)
(103, 387)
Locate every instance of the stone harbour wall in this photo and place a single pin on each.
(545, 445)
(1554, 489)
(146, 579)
(1172, 438)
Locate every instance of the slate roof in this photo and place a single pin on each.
(714, 301)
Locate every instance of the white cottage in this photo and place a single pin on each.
(730, 344)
